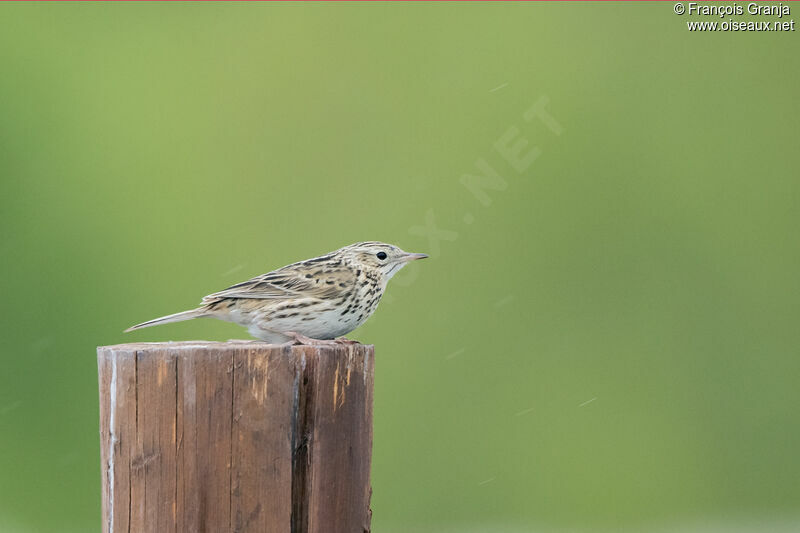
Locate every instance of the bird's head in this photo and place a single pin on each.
(384, 259)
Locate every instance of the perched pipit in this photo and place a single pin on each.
(311, 301)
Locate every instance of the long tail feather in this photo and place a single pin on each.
(177, 317)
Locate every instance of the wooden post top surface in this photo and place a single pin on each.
(219, 345)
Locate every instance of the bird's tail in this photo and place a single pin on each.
(177, 317)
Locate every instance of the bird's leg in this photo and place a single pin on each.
(298, 338)
(343, 340)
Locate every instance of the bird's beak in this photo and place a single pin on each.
(413, 257)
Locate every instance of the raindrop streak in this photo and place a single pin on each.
(587, 402)
(456, 353)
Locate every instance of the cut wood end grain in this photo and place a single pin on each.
(233, 343)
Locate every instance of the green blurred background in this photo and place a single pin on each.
(610, 345)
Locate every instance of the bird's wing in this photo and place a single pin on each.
(300, 280)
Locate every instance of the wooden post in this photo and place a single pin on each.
(235, 437)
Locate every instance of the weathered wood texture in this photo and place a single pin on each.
(235, 437)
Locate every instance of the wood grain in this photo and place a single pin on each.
(236, 436)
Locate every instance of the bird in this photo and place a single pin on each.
(316, 301)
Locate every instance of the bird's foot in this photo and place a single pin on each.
(299, 339)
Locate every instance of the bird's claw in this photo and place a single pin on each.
(300, 339)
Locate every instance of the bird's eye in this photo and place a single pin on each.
(381, 255)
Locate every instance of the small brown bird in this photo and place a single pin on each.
(307, 302)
